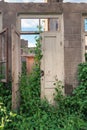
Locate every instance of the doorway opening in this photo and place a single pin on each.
(30, 27)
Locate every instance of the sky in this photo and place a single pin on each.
(24, 1)
(76, 1)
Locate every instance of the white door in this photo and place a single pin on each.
(52, 64)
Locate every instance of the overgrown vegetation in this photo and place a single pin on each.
(31, 85)
(68, 113)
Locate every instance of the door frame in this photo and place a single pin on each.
(16, 67)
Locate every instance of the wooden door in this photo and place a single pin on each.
(3, 56)
(52, 64)
(16, 67)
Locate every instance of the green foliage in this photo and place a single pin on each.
(30, 84)
(68, 113)
(74, 122)
(5, 94)
(24, 69)
(82, 73)
(58, 96)
(6, 118)
(80, 93)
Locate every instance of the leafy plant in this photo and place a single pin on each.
(68, 113)
(30, 84)
(82, 73)
(5, 94)
(58, 96)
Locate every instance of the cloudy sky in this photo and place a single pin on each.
(43, 1)
(78, 1)
(24, 0)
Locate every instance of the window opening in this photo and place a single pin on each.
(30, 39)
(85, 36)
(30, 28)
(54, 24)
(33, 24)
(85, 24)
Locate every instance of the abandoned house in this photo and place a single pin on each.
(64, 41)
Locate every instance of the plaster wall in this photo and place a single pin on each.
(72, 42)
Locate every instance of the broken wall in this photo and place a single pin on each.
(10, 12)
(73, 42)
(72, 31)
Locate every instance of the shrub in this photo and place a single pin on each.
(68, 113)
(5, 94)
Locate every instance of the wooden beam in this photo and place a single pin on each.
(16, 68)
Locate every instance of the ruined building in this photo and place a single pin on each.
(63, 42)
